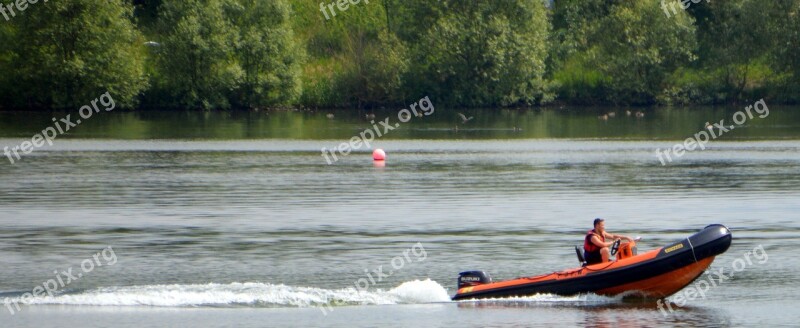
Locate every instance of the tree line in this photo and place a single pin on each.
(223, 54)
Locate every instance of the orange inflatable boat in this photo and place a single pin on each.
(657, 273)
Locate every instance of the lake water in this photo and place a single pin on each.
(236, 220)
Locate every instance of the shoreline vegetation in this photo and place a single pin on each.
(281, 54)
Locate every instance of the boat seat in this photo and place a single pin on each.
(580, 255)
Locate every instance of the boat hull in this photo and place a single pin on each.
(657, 273)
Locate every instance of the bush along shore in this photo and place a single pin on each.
(250, 54)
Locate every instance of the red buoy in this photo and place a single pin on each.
(379, 155)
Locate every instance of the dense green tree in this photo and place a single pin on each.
(355, 60)
(484, 53)
(736, 44)
(62, 54)
(572, 50)
(197, 65)
(146, 11)
(618, 51)
(373, 70)
(573, 22)
(638, 47)
(6, 56)
(267, 53)
(411, 19)
(783, 26)
(327, 36)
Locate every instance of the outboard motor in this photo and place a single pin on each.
(473, 278)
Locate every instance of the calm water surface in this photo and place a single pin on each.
(235, 220)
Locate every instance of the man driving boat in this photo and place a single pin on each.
(595, 248)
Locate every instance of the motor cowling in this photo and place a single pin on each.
(473, 278)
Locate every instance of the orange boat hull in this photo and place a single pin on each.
(657, 273)
(662, 285)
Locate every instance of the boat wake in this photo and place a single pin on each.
(252, 294)
(256, 294)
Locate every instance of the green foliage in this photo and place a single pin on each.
(373, 70)
(197, 65)
(581, 82)
(7, 35)
(458, 52)
(782, 24)
(267, 53)
(225, 53)
(411, 19)
(639, 46)
(328, 37)
(62, 54)
(318, 79)
(354, 60)
(736, 39)
(483, 54)
(573, 22)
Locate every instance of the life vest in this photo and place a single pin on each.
(588, 245)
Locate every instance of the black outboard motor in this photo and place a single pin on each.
(473, 278)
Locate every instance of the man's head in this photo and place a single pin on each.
(599, 225)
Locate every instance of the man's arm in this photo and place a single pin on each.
(612, 236)
(597, 242)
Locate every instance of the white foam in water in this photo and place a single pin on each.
(426, 291)
(270, 295)
(254, 294)
(581, 299)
